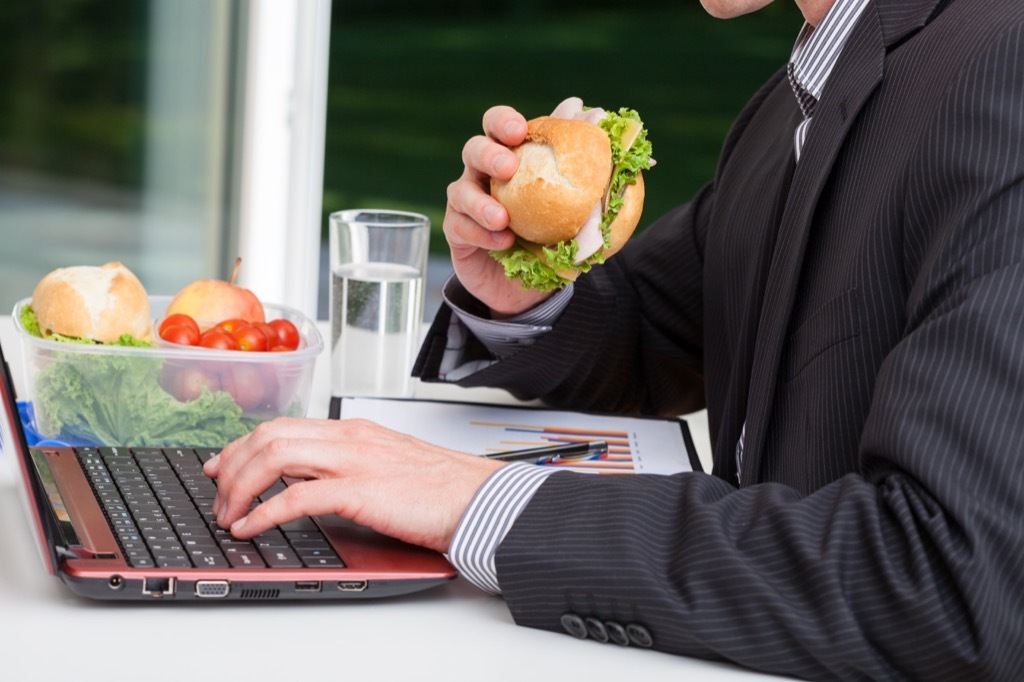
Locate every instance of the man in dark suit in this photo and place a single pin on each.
(845, 298)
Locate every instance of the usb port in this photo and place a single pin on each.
(351, 585)
(307, 586)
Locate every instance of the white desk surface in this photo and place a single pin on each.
(453, 632)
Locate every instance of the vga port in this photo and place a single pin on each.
(212, 589)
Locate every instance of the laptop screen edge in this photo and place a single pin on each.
(30, 490)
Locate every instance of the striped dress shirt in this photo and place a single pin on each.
(504, 495)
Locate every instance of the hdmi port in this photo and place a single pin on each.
(351, 585)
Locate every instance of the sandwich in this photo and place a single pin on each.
(90, 304)
(576, 198)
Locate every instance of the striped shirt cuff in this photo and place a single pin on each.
(488, 518)
(504, 337)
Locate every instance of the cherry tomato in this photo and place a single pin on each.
(190, 382)
(216, 337)
(269, 331)
(251, 338)
(281, 349)
(177, 319)
(180, 333)
(246, 385)
(287, 333)
(232, 325)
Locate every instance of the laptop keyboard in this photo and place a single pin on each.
(160, 506)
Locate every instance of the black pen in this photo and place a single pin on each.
(563, 452)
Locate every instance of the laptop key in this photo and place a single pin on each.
(280, 557)
(210, 561)
(199, 541)
(243, 558)
(324, 562)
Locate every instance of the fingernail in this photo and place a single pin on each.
(490, 213)
(237, 525)
(514, 128)
(503, 162)
(216, 504)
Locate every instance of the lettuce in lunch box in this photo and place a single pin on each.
(117, 399)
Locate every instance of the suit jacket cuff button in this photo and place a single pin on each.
(574, 625)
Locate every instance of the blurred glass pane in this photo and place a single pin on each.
(115, 138)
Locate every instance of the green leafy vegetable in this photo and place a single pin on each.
(110, 398)
(627, 163)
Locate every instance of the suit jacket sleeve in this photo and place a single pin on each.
(910, 566)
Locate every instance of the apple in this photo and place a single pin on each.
(215, 299)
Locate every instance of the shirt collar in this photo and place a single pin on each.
(817, 49)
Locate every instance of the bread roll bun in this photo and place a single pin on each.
(564, 169)
(620, 230)
(99, 303)
(625, 222)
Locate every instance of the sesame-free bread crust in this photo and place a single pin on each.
(564, 169)
(93, 302)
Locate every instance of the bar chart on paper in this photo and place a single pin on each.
(635, 445)
(511, 436)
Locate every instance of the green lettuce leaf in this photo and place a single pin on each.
(542, 273)
(117, 399)
(626, 164)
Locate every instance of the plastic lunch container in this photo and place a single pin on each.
(164, 396)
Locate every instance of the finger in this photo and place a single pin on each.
(235, 458)
(465, 235)
(212, 466)
(283, 447)
(305, 498)
(485, 159)
(474, 218)
(505, 124)
(281, 457)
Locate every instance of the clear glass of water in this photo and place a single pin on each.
(378, 264)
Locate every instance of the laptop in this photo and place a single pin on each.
(131, 524)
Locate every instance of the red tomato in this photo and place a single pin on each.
(251, 338)
(218, 338)
(281, 349)
(269, 331)
(246, 385)
(180, 333)
(287, 333)
(176, 319)
(232, 325)
(190, 382)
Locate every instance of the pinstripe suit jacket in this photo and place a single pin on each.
(863, 313)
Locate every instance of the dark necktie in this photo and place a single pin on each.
(805, 99)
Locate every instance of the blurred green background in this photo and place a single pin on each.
(409, 81)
